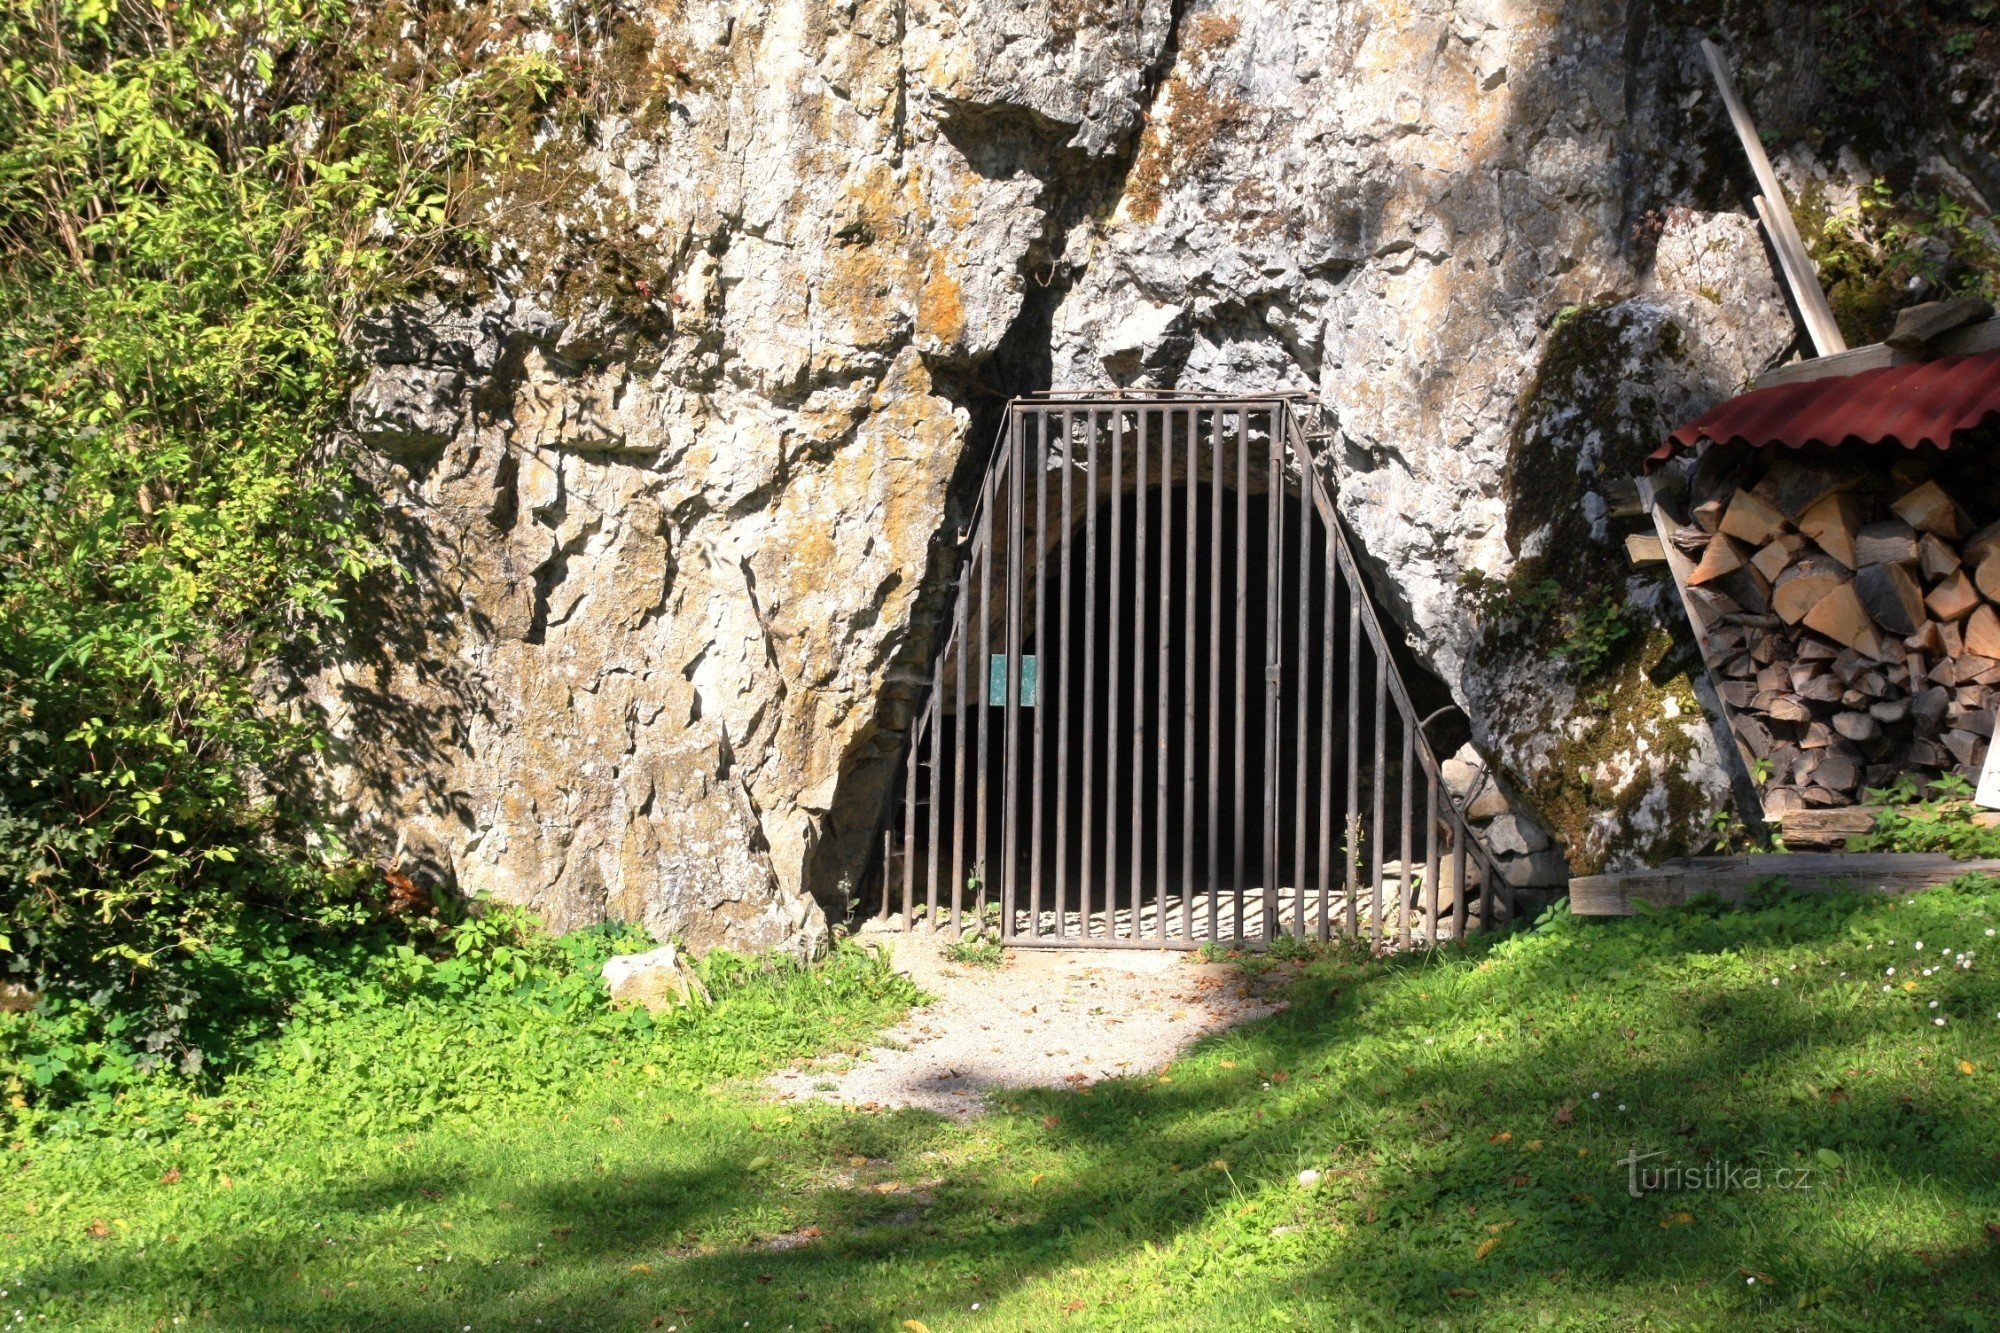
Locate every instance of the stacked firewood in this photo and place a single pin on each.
(1852, 617)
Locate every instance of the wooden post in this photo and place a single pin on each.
(1749, 800)
(1797, 265)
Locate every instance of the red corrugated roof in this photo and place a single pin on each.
(1920, 402)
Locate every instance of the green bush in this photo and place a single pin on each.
(1937, 818)
(1891, 250)
(195, 202)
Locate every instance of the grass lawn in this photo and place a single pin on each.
(1470, 1115)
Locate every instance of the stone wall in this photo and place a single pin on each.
(672, 477)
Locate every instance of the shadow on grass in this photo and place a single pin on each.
(1427, 1155)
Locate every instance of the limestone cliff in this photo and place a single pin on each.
(673, 477)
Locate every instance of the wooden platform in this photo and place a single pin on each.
(1732, 877)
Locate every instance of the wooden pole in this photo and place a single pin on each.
(1797, 265)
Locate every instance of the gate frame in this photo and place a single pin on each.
(1289, 455)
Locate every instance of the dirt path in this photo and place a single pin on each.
(1044, 1018)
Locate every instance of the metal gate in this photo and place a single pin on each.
(1164, 711)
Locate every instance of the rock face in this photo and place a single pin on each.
(673, 480)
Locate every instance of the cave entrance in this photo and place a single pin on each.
(1165, 712)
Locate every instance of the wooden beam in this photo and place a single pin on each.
(1830, 827)
(1735, 758)
(1732, 877)
(1622, 496)
(1802, 278)
(1981, 337)
(1799, 273)
(1644, 548)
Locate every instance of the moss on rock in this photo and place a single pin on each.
(1606, 738)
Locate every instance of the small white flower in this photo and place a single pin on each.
(1774, 981)
(1934, 1004)
(1939, 1021)
(1595, 1095)
(1750, 1281)
(1308, 1178)
(1920, 944)
(1890, 973)
(1621, 1106)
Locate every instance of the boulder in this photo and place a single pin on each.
(660, 979)
(1513, 835)
(1464, 770)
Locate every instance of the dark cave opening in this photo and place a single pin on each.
(1183, 745)
(1160, 689)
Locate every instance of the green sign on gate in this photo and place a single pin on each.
(996, 680)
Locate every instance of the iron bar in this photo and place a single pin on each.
(1190, 631)
(1405, 899)
(1485, 902)
(1351, 846)
(910, 761)
(934, 738)
(1301, 698)
(981, 861)
(1274, 577)
(1242, 663)
(1037, 794)
(1139, 677)
(1459, 885)
(1381, 765)
(1060, 689)
(962, 633)
(1114, 641)
(1088, 809)
(1010, 814)
(1161, 743)
(1328, 645)
(1215, 438)
(1431, 859)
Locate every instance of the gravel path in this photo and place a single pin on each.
(1044, 1018)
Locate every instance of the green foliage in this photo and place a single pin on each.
(1587, 634)
(398, 1035)
(1592, 635)
(1519, 596)
(1466, 1115)
(1878, 57)
(195, 201)
(1892, 250)
(1934, 819)
(975, 950)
